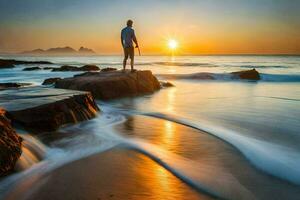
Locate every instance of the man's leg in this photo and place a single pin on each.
(132, 63)
(125, 58)
(132, 58)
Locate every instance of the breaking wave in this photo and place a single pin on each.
(230, 77)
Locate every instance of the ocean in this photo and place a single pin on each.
(231, 139)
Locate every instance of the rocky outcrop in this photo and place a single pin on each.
(247, 74)
(42, 109)
(73, 68)
(112, 84)
(10, 145)
(50, 81)
(4, 86)
(31, 68)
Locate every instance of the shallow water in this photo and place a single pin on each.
(246, 132)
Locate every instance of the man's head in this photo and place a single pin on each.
(129, 23)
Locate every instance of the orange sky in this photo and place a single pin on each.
(200, 27)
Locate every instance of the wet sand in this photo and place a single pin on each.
(126, 174)
(213, 157)
(114, 174)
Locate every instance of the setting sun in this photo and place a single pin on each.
(172, 44)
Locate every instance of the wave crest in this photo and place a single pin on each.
(230, 77)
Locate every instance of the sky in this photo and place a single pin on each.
(199, 26)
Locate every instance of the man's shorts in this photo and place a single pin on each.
(129, 51)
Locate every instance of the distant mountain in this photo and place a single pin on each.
(35, 51)
(85, 50)
(60, 51)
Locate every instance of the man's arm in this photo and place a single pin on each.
(134, 39)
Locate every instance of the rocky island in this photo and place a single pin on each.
(60, 51)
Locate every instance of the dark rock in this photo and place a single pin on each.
(40, 109)
(108, 69)
(10, 145)
(166, 84)
(89, 68)
(47, 68)
(73, 68)
(19, 62)
(4, 64)
(12, 85)
(247, 74)
(50, 81)
(31, 68)
(114, 84)
(65, 68)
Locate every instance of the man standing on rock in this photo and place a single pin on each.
(127, 39)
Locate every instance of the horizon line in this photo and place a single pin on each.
(97, 54)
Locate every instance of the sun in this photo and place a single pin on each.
(172, 44)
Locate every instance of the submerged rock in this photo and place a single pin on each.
(12, 85)
(45, 109)
(65, 68)
(247, 74)
(11, 62)
(73, 68)
(195, 76)
(113, 84)
(31, 68)
(166, 84)
(48, 68)
(89, 68)
(4, 65)
(50, 81)
(10, 145)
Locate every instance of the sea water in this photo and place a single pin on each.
(252, 126)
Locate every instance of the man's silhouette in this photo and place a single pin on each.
(127, 39)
